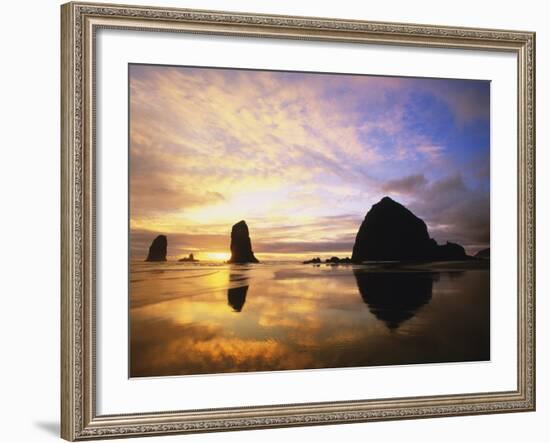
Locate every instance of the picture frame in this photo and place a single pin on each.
(80, 24)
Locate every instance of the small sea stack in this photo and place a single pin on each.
(338, 260)
(157, 250)
(314, 261)
(190, 258)
(331, 260)
(241, 246)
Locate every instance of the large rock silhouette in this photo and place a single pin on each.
(157, 250)
(241, 246)
(392, 232)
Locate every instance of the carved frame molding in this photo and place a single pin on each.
(80, 21)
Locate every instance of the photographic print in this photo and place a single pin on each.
(295, 220)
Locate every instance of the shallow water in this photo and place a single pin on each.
(189, 318)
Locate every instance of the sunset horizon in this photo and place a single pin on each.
(301, 157)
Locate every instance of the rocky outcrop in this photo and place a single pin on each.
(157, 250)
(241, 246)
(314, 261)
(450, 251)
(331, 260)
(484, 254)
(392, 232)
(191, 258)
(338, 260)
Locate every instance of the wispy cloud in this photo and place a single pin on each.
(432, 152)
(406, 185)
(209, 147)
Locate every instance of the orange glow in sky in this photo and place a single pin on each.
(301, 157)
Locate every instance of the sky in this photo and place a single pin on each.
(302, 157)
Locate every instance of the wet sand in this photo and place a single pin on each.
(205, 318)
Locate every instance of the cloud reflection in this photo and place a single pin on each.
(298, 317)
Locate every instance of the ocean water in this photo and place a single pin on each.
(207, 318)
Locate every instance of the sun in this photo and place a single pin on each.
(221, 256)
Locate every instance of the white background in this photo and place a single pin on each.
(29, 222)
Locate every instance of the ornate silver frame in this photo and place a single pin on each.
(80, 21)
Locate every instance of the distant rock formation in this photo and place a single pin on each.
(338, 260)
(331, 260)
(315, 260)
(392, 232)
(157, 250)
(191, 258)
(450, 251)
(484, 254)
(241, 246)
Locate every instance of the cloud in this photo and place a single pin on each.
(175, 197)
(332, 234)
(454, 212)
(405, 185)
(209, 147)
(433, 152)
(179, 244)
(469, 103)
(344, 246)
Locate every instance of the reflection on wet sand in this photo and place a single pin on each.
(394, 297)
(236, 296)
(183, 321)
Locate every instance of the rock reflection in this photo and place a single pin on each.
(205, 319)
(238, 287)
(394, 297)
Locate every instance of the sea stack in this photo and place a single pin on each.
(191, 258)
(241, 246)
(157, 250)
(392, 232)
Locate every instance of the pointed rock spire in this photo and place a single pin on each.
(157, 250)
(241, 246)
